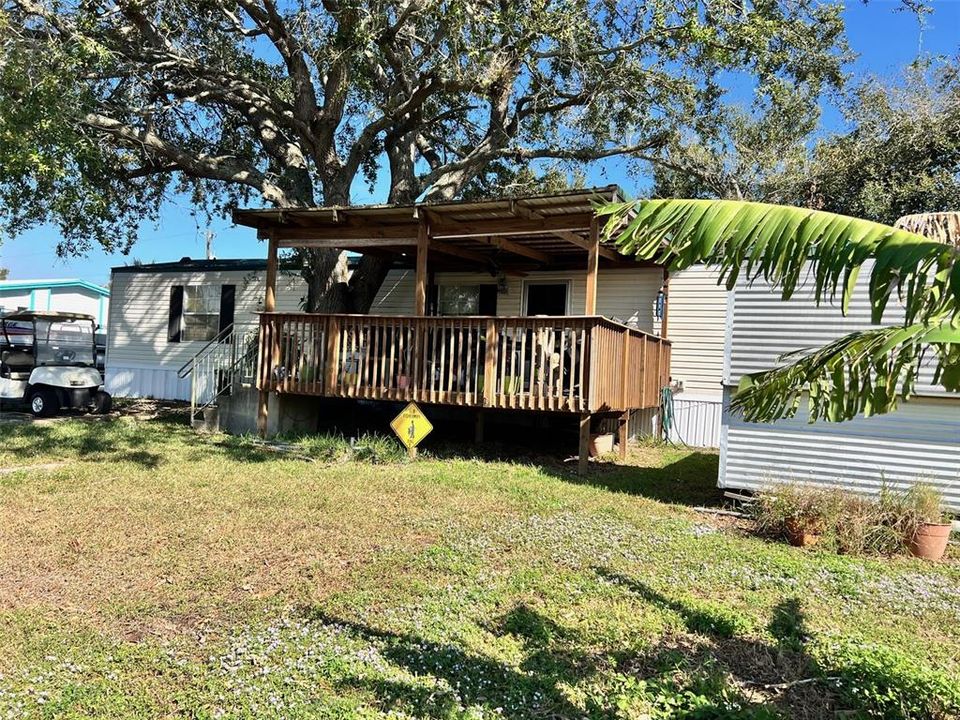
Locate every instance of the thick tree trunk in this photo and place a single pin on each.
(331, 286)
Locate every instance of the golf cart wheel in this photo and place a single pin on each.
(44, 403)
(102, 403)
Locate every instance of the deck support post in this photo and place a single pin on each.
(266, 349)
(593, 260)
(420, 288)
(623, 430)
(583, 455)
(333, 354)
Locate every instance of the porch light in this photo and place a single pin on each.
(502, 284)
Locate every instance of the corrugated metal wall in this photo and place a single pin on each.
(697, 423)
(919, 442)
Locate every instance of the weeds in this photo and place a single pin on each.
(849, 523)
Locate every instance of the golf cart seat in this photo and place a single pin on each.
(17, 363)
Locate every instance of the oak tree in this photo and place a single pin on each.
(109, 106)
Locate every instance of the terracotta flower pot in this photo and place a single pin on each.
(930, 541)
(800, 534)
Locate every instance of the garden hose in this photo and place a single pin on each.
(666, 412)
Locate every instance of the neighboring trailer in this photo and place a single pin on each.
(57, 295)
(919, 442)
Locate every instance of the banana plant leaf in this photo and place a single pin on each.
(864, 373)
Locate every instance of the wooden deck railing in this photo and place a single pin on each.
(575, 364)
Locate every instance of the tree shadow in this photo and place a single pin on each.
(788, 679)
(90, 439)
(554, 659)
(690, 480)
(471, 679)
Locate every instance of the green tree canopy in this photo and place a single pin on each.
(899, 152)
(110, 106)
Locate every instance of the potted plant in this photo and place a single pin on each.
(804, 529)
(927, 525)
(801, 513)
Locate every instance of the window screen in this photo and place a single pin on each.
(458, 300)
(201, 312)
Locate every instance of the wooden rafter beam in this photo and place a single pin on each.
(358, 243)
(510, 226)
(348, 233)
(572, 237)
(497, 241)
(459, 252)
(516, 248)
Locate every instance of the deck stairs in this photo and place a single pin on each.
(220, 368)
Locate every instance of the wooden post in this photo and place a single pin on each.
(490, 365)
(623, 429)
(625, 370)
(267, 354)
(333, 354)
(593, 260)
(666, 303)
(583, 456)
(270, 296)
(420, 289)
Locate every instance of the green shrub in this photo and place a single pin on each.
(887, 683)
(808, 507)
(851, 523)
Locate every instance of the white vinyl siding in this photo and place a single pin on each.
(696, 325)
(628, 295)
(140, 311)
(141, 361)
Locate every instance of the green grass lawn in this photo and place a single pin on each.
(146, 571)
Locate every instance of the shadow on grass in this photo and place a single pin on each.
(689, 479)
(86, 438)
(554, 658)
(851, 682)
(715, 667)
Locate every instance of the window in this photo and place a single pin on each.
(201, 312)
(467, 299)
(458, 300)
(547, 298)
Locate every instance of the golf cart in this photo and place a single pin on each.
(49, 360)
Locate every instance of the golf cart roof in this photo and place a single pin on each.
(31, 315)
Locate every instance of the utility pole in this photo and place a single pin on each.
(209, 237)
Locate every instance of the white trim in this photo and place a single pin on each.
(526, 283)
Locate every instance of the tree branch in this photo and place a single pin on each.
(215, 167)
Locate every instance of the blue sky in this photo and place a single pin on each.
(884, 38)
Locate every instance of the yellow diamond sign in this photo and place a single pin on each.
(411, 426)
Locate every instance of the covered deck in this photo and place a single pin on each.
(588, 365)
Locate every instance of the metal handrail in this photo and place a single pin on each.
(212, 366)
(218, 339)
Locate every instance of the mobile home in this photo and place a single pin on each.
(918, 442)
